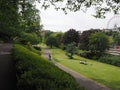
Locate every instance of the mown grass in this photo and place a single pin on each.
(103, 73)
(36, 73)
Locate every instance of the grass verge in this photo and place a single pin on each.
(103, 73)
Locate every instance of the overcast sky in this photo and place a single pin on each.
(58, 21)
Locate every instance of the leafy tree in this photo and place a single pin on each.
(98, 43)
(71, 36)
(8, 19)
(101, 6)
(84, 39)
(117, 39)
(29, 17)
(51, 41)
(17, 16)
(31, 38)
(111, 41)
(47, 34)
(58, 36)
(115, 36)
(71, 49)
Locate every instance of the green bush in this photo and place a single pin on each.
(37, 47)
(31, 48)
(32, 38)
(36, 73)
(114, 60)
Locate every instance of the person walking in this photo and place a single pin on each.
(50, 57)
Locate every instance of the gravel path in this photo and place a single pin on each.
(7, 70)
(82, 80)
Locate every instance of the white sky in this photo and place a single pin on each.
(57, 21)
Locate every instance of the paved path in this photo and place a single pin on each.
(82, 80)
(7, 70)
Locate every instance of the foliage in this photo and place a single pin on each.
(111, 40)
(98, 43)
(47, 34)
(8, 19)
(71, 49)
(59, 36)
(29, 18)
(100, 72)
(101, 6)
(86, 54)
(115, 36)
(37, 47)
(71, 36)
(111, 33)
(32, 48)
(84, 39)
(32, 38)
(53, 38)
(35, 73)
(114, 60)
(117, 39)
(18, 16)
(51, 41)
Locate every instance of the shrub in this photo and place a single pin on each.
(85, 54)
(71, 49)
(36, 73)
(37, 47)
(32, 38)
(114, 60)
(33, 49)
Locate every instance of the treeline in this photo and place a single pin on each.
(93, 43)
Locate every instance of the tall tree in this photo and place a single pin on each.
(51, 41)
(71, 36)
(29, 16)
(98, 43)
(8, 19)
(84, 39)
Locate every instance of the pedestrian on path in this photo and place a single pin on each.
(50, 57)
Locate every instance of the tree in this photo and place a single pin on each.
(98, 43)
(101, 6)
(8, 19)
(29, 17)
(84, 38)
(71, 49)
(58, 36)
(17, 16)
(53, 38)
(31, 38)
(117, 39)
(71, 36)
(51, 41)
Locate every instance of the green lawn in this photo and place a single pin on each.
(103, 73)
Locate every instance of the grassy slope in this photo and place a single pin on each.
(37, 73)
(106, 74)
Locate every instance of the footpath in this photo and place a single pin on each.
(7, 70)
(81, 80)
